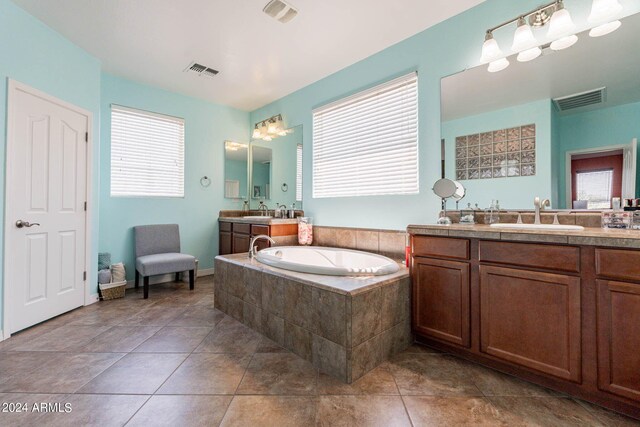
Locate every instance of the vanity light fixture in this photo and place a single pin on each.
(270, 128)
(560, 35)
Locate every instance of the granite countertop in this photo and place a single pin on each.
(590, 236)
(265, 220)
(345, 285)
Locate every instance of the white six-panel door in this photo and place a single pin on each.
(46, 190)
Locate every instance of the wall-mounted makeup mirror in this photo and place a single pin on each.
(562, 126)
(236, 173)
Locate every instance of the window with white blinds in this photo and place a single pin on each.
(147, 154)
(367, 144)
(299, 172)
(596, 187)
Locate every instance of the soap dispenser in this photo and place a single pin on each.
(277, 213)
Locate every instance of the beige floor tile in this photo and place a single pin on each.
(452, 411)
(609, 418)
(279, 373)
(378, 381)
(26, 336)
(231, 336)
(543, 411)
(120, 339)
(207, 373)
(24, 410)
(494, 383)
(155, 315)
(280, 411)
(355, 411)
(172, 411)
(174, 339)
(64, 338)
(432, 374)
(136, 373)
(198, 316)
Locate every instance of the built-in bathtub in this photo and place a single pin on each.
(345, 325)
(327, 261)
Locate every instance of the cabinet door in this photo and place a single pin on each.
(225, 243)
(619, 338)
(241, 243)
(531, 319)
(441, 300)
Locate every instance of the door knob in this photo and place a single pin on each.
(20, 223)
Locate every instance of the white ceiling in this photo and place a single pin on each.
(260, 59)
(611, 61)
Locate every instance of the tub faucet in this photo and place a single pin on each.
(540, 205)
(252, 244)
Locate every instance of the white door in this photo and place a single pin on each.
(45, 207)
(629, 160)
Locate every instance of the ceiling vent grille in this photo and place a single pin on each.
(280, 10)
(583, 99)
(201, 70)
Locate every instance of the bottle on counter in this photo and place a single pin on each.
(277, 213)
(292, 211)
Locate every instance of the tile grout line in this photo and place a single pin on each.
(404, 405)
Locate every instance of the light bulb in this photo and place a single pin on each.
(604, 11)
(272, 128)
(498, 65)
(561, 23)
(490, 49)
(564, 42)
(266, 138)
(263, 129)
(256, 133)
(604, 29)
(529, 54)
(523, 38)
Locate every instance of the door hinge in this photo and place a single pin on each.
(85, 206)
(84, 276)
(86, 137)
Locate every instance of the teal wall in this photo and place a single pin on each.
(33, 54)
(599, 128)
(444, 49)
(482, 191)
(207, 126)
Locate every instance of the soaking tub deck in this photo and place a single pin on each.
(345, 326)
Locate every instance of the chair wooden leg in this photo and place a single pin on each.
(137, 279)
(192, 279)
(146, 286)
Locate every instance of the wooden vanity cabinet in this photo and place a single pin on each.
(564, 316)
(235, 237)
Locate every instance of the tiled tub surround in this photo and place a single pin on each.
(389, 243)
(345, 326)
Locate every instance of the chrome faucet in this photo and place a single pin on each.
(540, 205)
(263, 209)
(252, 244)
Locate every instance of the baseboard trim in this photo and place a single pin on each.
(164, 278)
(93, 298)
(1, 335)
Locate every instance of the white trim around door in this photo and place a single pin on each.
(13, 86)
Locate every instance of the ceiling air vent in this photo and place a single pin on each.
(583, 99)
(280, 10)
(201, 70)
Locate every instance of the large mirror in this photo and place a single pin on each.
(236, 170)
(563, 126)
(276, 170)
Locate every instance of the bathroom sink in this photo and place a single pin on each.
(548, 227)
(257, 217)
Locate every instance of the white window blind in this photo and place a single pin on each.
(367, 144)
(299, 172)
(147, 154)
(595, 187)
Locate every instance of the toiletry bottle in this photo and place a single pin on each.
(245, 207)
(407, 251)
(496, 215)
(277, 213)
(292, 211)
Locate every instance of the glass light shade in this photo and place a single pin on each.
(263, 129)
(604, 29)
(256, 133)
(529, 54)
(498, 65)
(490, 49)
(604, 10)
(564, 42)
(561, 24)
(523, 38)
(266, 138)
(272, 127)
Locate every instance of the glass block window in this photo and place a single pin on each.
(498, 154)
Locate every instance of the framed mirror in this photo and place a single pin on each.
(276, 170)
(563, 126)
(236, 170)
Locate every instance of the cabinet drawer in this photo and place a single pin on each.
(225, 226)
(242, 228)
(442, 247)
(563, 258)
(618, 264)
(259, 229)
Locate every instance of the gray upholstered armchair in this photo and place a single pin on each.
(158, 252)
